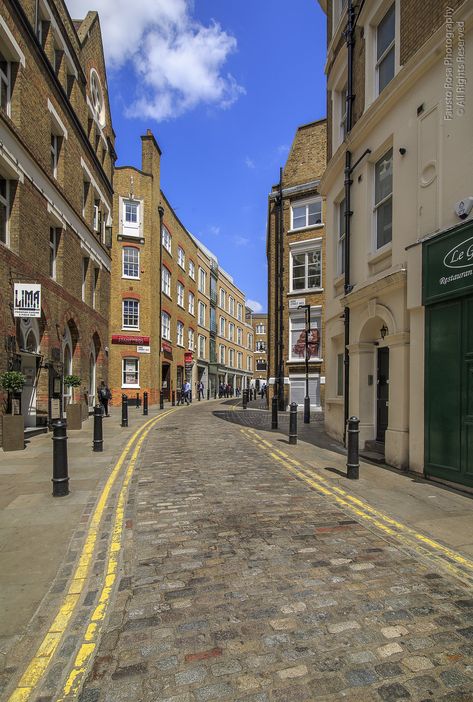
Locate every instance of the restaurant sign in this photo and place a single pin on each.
(27, 300)
(130, 340)
(448, 264)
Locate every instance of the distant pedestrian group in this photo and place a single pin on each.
(225, 390)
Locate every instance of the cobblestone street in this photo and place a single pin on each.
(241, 583)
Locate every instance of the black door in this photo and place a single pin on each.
(382, 394)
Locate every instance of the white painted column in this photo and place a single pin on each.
(397, 433)
(363, 388)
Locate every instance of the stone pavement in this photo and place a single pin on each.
(35, 528)
(239, 582)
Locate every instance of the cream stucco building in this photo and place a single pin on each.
(410, 159)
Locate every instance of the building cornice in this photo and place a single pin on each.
(296, 189)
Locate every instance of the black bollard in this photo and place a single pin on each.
(306, 410)
(161, 400)
(245, 399)
(274, 413)
(145, 403)
(98, 433)
(173, 398)
(293, 423)
(124, 411)
(138, 403)
(353, 461)
(198, 395)
(60, 477)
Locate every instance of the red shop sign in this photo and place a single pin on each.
(123, 339)
(167, 347)
(188, 357)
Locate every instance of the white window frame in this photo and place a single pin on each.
(166, 240)
(125, 250)
(222, 326)
(231, 305)
(136, 305)
(85, 268)
(181, 257)
(190, 339)
(137, 362)
(54, 150)
(391, 47)
(221, 354)
(165, 326)
(95, 281)
(192, 270)
(191, 306)
(5, 202)
(383, 201)
(239, 360)
(223, 299)
(202, 280)
(202, 313)
(305, 247)
(260, 328)
(53, 246)
(165, 281)
(341, 234)
(180, 333)
(201, 346)
(239, 311)
(299, 315)
(180, 294)
(5, 85)
(231, 358)
(250, 342)
(306, 203)
(371, 15)
(231, 331)
(239, 336)
(131, 223)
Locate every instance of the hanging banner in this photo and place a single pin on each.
(27, 300)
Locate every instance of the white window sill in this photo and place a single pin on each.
(137, 386)
(181, 306)
(134, 329)
(131, 277)
(183, 268)
(302, 361)
(380, 254)
(305, 291)
(306, 229)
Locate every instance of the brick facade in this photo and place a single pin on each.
(259, 322)
(302, 172)
(51, 236)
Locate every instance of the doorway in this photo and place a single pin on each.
(382, 394)
(166, 381)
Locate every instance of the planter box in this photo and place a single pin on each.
(13, 432)
(74, 416)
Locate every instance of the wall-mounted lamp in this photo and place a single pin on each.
(383, 331)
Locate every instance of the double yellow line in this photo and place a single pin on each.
(43, 656)
(444, 557)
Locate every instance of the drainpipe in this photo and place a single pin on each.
(280, 256)
(160, 341)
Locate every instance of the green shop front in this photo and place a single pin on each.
(448, 299)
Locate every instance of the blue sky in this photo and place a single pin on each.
(223, 85)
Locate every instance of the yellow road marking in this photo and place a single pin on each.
(37, 666)
(407, 535)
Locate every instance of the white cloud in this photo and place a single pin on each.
(250, 163)
(215, 230)
(178, 61)
(254, 305)
(241, 240)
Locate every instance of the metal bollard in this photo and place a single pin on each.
(173, 398)
(245, 399)
(98, 432)
(145, 403)
(138, 403)
(306, 410)
(60, 477)
(293, 423)
(274, 413)
(161, 400)
(353, 461)
(124, 411)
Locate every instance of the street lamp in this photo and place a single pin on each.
(160, 366)
(306, 309)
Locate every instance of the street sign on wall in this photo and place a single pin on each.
(27, 300)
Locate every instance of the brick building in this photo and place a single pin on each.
(398, 339)
(145, 355)
(259, 323)
(56, 165)
(296, 269)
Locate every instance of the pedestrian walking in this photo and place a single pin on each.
(200, 390)
(104, 396)
(187, 390)
(221, 390)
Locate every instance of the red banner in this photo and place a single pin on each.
(123, 339)
(188, 357)
(167, 347)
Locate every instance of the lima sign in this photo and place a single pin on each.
(27, 300)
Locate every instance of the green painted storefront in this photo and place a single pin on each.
(448, 300)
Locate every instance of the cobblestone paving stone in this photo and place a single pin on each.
(240, 583)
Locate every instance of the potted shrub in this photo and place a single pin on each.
(73, 409)
(13, 424)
